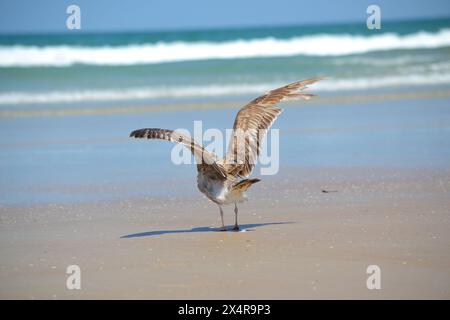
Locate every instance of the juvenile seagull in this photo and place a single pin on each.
(222, 179)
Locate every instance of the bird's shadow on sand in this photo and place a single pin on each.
(243, 228)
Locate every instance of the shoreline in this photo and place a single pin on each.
(152, 236)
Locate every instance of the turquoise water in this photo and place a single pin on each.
(73, 68)
(218, 35)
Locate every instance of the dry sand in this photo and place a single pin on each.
(300, 242)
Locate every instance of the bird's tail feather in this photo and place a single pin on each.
(245, 184)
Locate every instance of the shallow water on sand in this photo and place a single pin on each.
(89, 158)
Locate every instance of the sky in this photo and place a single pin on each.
(25, 16)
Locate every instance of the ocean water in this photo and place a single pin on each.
(51, 159)
(149, 67)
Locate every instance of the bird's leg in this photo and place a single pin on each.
(236, 226)
(223, 228)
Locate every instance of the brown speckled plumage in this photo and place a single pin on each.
(218, 178)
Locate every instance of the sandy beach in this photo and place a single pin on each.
(138, 228)
(300, 243)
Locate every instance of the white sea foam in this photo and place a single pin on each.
(214, 90)
(162, 52)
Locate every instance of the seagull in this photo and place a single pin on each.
(224, 180)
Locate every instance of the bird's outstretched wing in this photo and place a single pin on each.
(202, 156)
(252, 123)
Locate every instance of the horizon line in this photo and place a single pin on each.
(217, 28)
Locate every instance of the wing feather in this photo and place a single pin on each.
(252, 123)
(202, 156)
